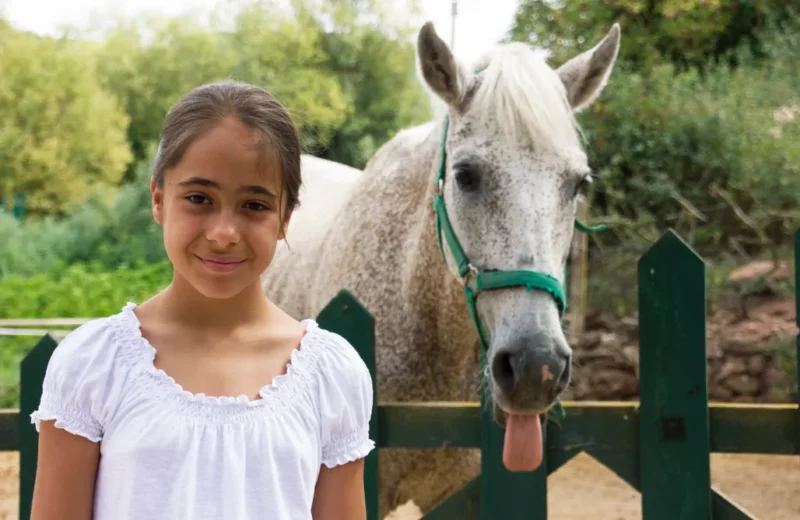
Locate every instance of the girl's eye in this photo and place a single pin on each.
(197, 199)
(257, 206)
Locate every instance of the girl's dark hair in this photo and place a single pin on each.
(200, 109)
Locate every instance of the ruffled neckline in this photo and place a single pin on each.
(298, 360)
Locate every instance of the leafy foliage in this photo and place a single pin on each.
(151, 63)
(378, 79)
(120, 234)
(149, 77)
(680, 151)
(348, 82)
(101, 93)
(62, 136)
(85, 290)
(684, 33)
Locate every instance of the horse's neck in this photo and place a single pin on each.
(440, 296)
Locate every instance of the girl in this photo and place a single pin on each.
(207, 401)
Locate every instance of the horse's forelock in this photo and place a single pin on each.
(520, 89)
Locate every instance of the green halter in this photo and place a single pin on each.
(473, 279)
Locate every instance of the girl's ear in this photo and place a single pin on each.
(157, 200)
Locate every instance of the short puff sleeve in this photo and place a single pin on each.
(346, 399)
(80, 383)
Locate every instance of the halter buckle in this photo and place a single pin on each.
(472, 272)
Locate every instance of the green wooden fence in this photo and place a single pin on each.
(660, 445)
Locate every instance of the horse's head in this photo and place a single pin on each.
(512, 172)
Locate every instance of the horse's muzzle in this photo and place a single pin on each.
(530, 372)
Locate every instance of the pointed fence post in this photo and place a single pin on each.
(345, 316)
(675, 471)
(32, 370)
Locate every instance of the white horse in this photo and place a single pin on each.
(325, 184)
(503, 163)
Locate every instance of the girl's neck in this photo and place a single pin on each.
(182, 303)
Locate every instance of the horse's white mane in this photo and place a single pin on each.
(520, 88)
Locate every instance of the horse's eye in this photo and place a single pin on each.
(466, 177)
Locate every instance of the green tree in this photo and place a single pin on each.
(149, 63)
(342, 68)
(284, 53)
(62, 135)
(686, 33)
(374, 61)
(369, 50)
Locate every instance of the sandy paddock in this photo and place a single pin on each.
(768, 487)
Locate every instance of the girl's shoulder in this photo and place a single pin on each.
(331, 347)
(96, 337)
(83, 375)
(336, 362)
(99, 340)
(344, 393)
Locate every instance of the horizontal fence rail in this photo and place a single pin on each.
(60, 334)
(598, 427)
(44, 322)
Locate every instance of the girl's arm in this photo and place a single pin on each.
(340, 493)
(65, 475)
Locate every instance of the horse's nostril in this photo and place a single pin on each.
(503, 371)
(563, 379)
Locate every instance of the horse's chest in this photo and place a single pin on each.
(413, 365)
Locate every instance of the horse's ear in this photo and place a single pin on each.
(585, 75)
(439, 67)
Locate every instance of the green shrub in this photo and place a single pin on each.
(708, 155)
(122, 234)
(77, 291)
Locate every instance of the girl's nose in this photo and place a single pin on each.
(223, 230)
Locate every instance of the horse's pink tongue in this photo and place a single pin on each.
(522, 449)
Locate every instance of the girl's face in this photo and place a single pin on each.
(219, 209)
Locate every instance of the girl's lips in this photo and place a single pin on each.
(220, 265)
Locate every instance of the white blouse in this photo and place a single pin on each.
(169, 454)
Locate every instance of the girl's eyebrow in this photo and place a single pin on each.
(200, 181)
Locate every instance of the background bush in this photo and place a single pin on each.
(714, 155)
(78, 291)
(116, 235)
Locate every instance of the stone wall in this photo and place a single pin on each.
(748, 362)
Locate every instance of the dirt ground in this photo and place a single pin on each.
(766, 486)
